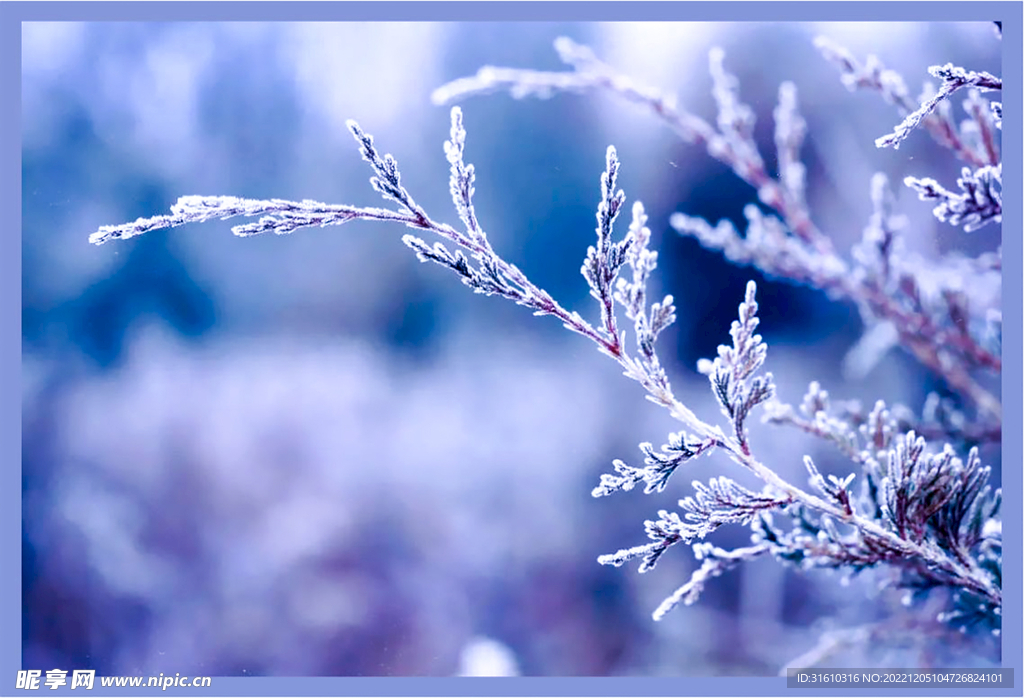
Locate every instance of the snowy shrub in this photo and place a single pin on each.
(912, 502)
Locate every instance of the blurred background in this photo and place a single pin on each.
(313, 455)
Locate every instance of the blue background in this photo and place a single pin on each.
(311, 455)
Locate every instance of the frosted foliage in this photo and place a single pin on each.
(346, 494)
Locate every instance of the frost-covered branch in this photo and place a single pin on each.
(953, 78)
(937, 542)
(980, 203)
(882, 284)
(490, 275)
(715, 561)
(790, 246)
(732, 143)
(873, 75)
(921, 508)
(276, 216)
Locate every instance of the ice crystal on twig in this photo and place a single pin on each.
(790, 129)
(873, 75)
(604, 260)
(277, 216)
(953, 78)
(462, 177)
(818, 420)
(980, 203)
(732, 373)
(659, 465)
(715, 561)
